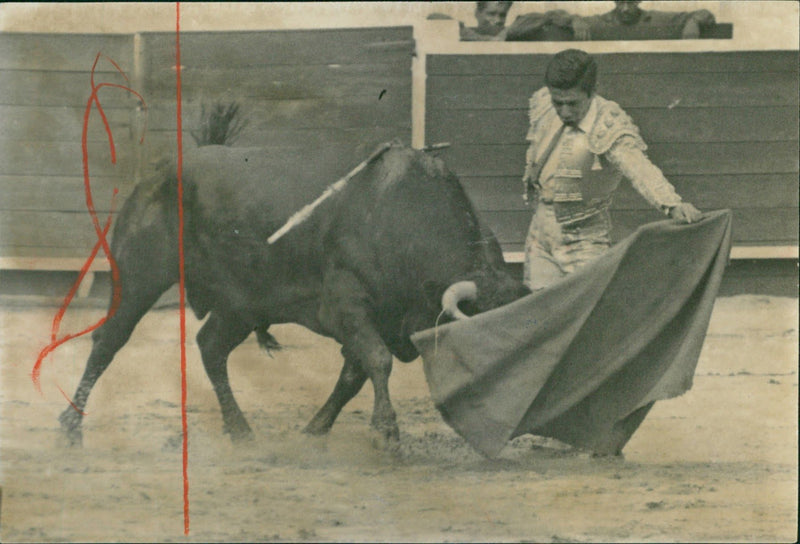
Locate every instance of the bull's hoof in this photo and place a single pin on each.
(387, 426)
(241, 436)
(315, 428)
(616, 456)
(385, 442)
(385, 437)
(71, 433)
(235, 425)
(315, 431)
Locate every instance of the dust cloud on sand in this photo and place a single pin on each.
(717, 464)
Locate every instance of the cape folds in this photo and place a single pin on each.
(585, 359)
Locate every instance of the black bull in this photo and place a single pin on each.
(368, 267)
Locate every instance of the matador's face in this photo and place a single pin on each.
(571, 105)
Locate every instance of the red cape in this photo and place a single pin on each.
(585, 359)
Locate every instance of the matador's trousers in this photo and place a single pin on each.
(553, 249)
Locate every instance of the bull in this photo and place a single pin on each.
(368, 266)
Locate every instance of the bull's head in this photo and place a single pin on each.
(481, 294)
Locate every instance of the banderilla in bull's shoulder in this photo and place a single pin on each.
(305, 212)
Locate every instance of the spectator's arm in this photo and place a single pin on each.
(525, 26)
(703, 17)
(696, 21)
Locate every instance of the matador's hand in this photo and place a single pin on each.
(685, 213)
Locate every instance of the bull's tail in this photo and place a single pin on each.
(267, 342)
(220, 124)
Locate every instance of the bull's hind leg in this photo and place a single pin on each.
(350, 382)
(218, 337)
(145, 250)
(107, 340)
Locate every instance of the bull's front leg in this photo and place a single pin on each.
(346, 312)
(351, 379)
(376, 360)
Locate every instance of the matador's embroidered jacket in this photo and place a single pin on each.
(588, 162)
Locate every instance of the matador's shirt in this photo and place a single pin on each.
(588, 161)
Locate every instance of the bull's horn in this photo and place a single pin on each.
(462, 290)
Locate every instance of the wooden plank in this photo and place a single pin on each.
(353, 144)
(487, 65)
(160, 79)
(718, 31)
(606, 32)
(726, 158)
(244, 50)
(38, 88)
(353, 89)
(514, 253)
(707, 192)
(49, 229)
(60, 193)
(360, 88)
(46, 262)
(766, 252)
(30, 157)
(764, 191)
(60, 123)
(64, 52)
(752, 226)
(672, 158)
(779, 226)
(770, 277)
(293, 114)
(732, 124)
(615, 63)
(494, 193)
(53, 258)
(629, 90)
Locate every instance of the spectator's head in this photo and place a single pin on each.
(491, 16)
(571, 77)
(627, 12)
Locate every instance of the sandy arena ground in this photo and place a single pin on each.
(718, 464)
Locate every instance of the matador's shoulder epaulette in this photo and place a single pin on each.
(539, 104)
(540, 113)
(610, 124)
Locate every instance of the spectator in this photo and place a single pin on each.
(555, 25)
(491, 17)
(581, 145)
(627, 21)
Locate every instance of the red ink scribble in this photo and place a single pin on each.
(181, 282)
(102, 232)
(69, 400)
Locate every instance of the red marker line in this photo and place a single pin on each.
(182, 278)
(102, 232)
(54, 341)
(69, 400)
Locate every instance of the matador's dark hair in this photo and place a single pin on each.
(572, 68)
